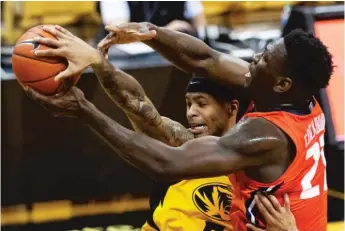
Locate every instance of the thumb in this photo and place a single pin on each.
(67, 84)
(148, 35)
(106, 41)
(104, 52)
(64, 74)
(113, 28)
(253, 228)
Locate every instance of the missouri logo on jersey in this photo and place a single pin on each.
(214, 200)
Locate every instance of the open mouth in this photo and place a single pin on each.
(197, 129)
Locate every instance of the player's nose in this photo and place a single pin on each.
(191, 112)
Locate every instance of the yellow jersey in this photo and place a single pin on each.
(198, 204)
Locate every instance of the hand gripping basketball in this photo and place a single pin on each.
(66, 104)
(78, 53)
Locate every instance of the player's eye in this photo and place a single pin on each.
(188, 104)
(202, 103)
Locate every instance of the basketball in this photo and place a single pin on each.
(37, 72)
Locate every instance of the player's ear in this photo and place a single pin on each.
(233, 106)
(283, 84)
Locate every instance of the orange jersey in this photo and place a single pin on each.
(304, 180)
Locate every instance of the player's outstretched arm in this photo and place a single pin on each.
(244, 146)
(129, 95)
(186, 52)
(277, 217)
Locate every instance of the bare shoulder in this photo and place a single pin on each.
(176, 133)
(255, 135)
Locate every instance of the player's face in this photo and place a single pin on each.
(267, 67)
(206, 116)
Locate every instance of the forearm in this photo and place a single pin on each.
(181, 49)
(193, 55)
(121, 87)
(135, 148)
(129, 95)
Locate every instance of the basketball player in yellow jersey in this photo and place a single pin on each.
(198, 204)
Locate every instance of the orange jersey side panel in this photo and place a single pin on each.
(304, 180)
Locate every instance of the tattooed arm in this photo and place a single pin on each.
(121, 87)
(129, 95)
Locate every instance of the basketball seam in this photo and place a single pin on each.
(35, 81)
(44, 61)
(60, 85)
(40, 79)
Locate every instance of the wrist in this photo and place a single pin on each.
(96, 59)
(150, 26)
(87, 110)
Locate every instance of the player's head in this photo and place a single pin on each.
(211, 109)
(293, 67)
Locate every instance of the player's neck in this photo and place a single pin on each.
(231, 123)
(272, 105)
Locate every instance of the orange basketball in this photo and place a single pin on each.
(37, 72)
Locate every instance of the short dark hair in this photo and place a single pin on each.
(309, 61)
(219, 91)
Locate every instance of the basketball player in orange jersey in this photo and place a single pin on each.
(276, 149)
(279, 146)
